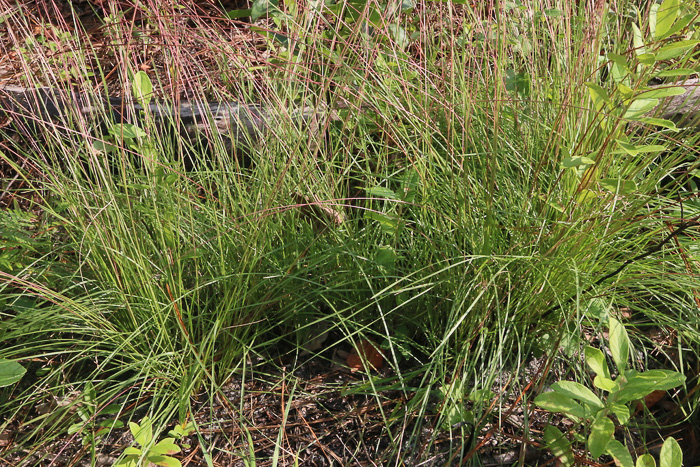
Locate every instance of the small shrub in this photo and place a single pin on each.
(594, 414)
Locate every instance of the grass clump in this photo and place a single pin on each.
(464, 189)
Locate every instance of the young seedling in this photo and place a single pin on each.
(149, 453)
(181, 431)
(582, 405)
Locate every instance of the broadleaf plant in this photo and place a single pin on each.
(10, 372)
(152, 454)
(582, 405)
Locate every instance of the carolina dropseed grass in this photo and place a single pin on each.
(457, 199)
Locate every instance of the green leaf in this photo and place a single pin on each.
(647, 148)
(619, 452)
(629, 148)
(675, 49)
(599, 96)
(76, 427)
(596, 361)
(681, 23)
(183, 429)
(456, 413)
(619, 73)
(597, 310)
(578, 391)
(103, 146)
(111, 423)
(126, 131)
(399, 35)
(132, 451)
(660, 93)
(481, 396)
(622, 412)
(237, 14)
(262, 8)
(271, 35)
(165, 461)
(620, 60)
(645, 460)
(559, 445)
(647, 59)
(639, 107)
(602, 430)
(518, 83)
(625, 91)
(165, 446)
(653, 13)
(676, 72)
(386, 257)
(143, 433)
(638, 40)
(606, 384)
(129, 461)
(665, 17)
(142, 88)
(111, 409)
(381, 192)
(643, 384)
(407, 5)
(671, 454)
(10, 372)
(575, 162)
(388, 224)
(618, 186)
(559, 403)
(619, 344)
(659, 122)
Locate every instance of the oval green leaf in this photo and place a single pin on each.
(619, 344)
(645, 460)
(10, 372)
(601, 434)
(142, 88)
(671, 454)
(596, 361)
